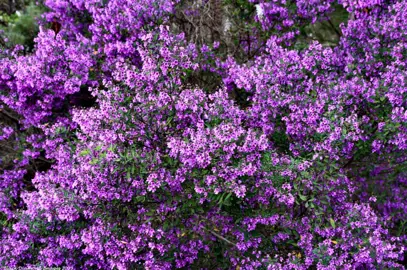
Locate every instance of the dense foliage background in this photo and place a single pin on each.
(211, 134)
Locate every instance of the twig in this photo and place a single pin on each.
(220, 237)
(45, 160)
(9, 116)
(334, 28)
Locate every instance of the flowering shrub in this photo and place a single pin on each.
(125, 157)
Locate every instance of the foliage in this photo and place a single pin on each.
(21, 27)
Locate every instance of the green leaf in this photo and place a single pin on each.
(303, 197)
(84, 152)
(332, 223)
(140, 198)
(94, 161)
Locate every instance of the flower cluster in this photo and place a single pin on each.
(293, 159)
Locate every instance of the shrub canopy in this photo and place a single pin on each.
(157, 134)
